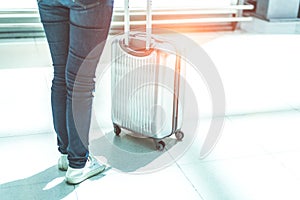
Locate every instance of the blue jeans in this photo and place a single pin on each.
(76, 31)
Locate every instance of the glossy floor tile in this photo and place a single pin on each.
(257, 157)
(25, 98)
(258, 177)
(258, 71)
(27, 155)
(166, 184)
(48, 184)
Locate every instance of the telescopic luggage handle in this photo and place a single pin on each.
(148, 23)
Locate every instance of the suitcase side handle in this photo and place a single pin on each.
(148, 23)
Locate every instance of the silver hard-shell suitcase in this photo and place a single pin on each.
(145, 83)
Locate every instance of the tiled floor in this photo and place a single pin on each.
(256, 157)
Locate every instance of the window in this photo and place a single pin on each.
(20, 18)
(28, 4)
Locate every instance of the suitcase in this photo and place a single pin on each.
(145, 84)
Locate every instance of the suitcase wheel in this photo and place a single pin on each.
(160, 145)
(179, 135)
(117, 129)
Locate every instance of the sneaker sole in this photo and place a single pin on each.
(74, 181)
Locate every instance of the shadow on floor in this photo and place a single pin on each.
(130, 154)
(48, 184)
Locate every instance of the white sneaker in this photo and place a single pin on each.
(63, 162)
(91, 168)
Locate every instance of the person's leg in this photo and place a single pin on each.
(89, 26)
(55, 19)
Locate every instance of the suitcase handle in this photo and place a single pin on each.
(148, 23)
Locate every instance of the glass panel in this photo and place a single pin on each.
(177, 3)
(19, 18)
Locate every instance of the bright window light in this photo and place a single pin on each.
(26, 4)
